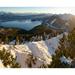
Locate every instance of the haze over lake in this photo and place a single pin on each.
(26, 25)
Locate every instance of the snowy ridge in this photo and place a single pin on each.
(41, 51)
(53, 21)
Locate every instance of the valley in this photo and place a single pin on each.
(32, 40)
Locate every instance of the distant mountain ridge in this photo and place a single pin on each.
(51, 21)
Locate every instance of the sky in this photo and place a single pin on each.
(39, 3)
(38, 6)
(53, 10)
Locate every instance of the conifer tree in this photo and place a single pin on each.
(71, 41)
(61, 51)
(8, 59)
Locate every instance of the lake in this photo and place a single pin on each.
(25, 24)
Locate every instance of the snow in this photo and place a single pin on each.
(53, 21)
(1, 64)
(66, 60)
(12, 42)
(41, 50)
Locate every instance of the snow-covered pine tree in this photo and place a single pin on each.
(7, 59)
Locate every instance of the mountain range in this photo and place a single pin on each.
(53, 21)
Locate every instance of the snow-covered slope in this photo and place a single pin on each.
(37, 53)
(1, 64)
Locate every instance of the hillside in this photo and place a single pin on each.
(35, 54)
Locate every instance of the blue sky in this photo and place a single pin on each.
(54, 10)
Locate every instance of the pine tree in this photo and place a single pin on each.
(17, 40)
(61, 51)
(8, 59)
(6, 40)
(67, 49)
(31, 60)
(71, 41)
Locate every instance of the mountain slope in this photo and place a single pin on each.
(41, 29)
(34, 54)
